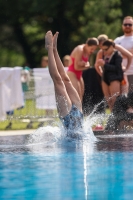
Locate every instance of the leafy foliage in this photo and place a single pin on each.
(24, 23)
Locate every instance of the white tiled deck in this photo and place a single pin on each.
(16, 132)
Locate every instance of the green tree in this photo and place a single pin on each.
(29, 20)
(101, 17)
(24, 23)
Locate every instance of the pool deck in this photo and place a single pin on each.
(16, 132)
(30, 131)
(20, 137)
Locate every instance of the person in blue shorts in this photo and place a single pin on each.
(69, 105)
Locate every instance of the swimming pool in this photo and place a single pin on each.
(74, 170)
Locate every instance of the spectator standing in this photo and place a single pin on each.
(79, 57)
(101, 38)
(93, 95)
(111, 72)
(124, 52)
(126, 41)
(44, 62)
(66, 60)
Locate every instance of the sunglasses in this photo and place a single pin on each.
(127, 25)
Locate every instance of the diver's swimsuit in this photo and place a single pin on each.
(73, 120)
(71, 68)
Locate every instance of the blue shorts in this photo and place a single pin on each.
(73, 120)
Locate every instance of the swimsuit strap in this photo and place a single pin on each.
(84, 58)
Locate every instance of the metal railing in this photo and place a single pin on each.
(29, 113)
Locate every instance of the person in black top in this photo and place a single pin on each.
(110, 67)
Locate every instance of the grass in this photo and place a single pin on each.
(28, 117)
(16, 125)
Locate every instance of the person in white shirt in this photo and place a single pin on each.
(126, 41)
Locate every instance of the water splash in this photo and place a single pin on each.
(57, 134)
(53, 138)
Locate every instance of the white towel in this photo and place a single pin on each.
(44, 89)
(18, 101)
(5, 92)
(10, 90)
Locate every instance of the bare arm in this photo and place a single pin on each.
(79, 64)
(126, 54)
(97, 66)
(130, 50)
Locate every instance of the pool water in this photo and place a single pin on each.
(74, 170)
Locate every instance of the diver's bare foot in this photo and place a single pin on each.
(55, 37)
(49, 40)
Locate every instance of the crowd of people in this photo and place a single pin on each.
(113, 65)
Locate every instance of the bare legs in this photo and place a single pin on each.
(111, 92)
(65, 93)
(82, 87)
(125, 87)
(72, 93)
(78, 84)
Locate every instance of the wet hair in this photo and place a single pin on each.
(92, 41)
(102, 38)
(108, 43)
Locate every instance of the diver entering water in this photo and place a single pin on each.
(69, 105)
